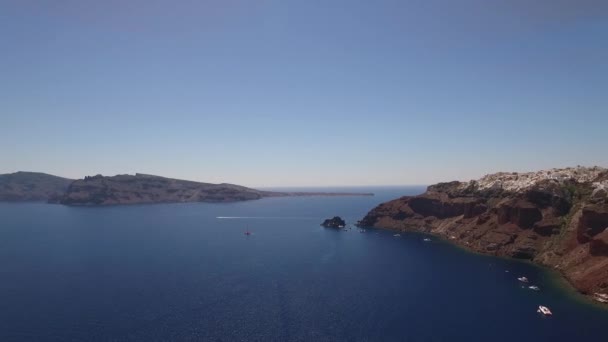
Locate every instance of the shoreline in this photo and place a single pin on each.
(233, 200)
(555, 277)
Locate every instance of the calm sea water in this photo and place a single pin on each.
(187, 272)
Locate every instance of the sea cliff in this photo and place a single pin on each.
(557, 218)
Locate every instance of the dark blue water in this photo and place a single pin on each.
(178, 272)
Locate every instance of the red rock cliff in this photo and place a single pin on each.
(557, 218)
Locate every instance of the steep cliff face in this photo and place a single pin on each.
(557, 218)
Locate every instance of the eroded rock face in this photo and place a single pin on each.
(548, 226)
(519, 212)
(593, 221)
(598, 246)
(439, 205)
(556, 218)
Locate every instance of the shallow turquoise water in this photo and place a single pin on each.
(178, 272)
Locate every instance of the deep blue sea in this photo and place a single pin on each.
(187, 272)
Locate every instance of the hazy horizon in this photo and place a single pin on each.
(263, 186)
(260, 186)
(292, 93)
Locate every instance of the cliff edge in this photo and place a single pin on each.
(557, 218)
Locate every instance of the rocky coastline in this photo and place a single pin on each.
(555, 218)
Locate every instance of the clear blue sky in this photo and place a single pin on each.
(295, 93)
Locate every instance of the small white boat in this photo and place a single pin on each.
(523, 279)
(544, 310)
(427, 240)
(601, 297)
(397, 235)
(534, 287)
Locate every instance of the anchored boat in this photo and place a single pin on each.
(544, 310)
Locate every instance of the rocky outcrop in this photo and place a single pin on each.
(31, 186)
(556, 218)
(335, 222)
(519, 212)
(593, 221)
(598, 246)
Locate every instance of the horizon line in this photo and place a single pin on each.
(258, 187)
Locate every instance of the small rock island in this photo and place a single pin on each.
(335, 222)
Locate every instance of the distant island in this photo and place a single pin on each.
(31, 186)
(335, 222)
(557, 218)
(130, 189)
